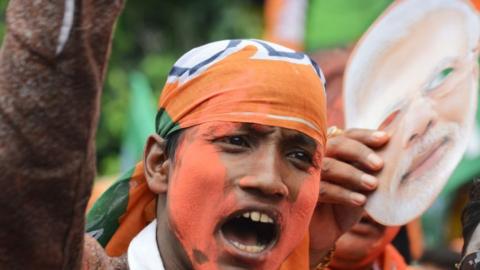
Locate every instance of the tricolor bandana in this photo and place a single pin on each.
(250, 81)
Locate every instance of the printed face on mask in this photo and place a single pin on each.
(422, 89)
(240, 195)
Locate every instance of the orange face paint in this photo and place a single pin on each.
(216, 175)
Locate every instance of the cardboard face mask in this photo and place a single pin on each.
(414, 74)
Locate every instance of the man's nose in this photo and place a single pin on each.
(419, 119)
(265, 177)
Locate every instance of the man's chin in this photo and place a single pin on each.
(231, 257)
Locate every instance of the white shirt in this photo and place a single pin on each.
(143, 251)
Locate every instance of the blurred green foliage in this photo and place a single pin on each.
(149, 37)
(3, 6)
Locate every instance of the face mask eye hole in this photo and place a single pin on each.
(390, 118)
(439, 78)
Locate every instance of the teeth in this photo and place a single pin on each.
(258, 217)
(265, 219)
(249, 248)
(255, 216)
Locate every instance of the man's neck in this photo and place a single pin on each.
(171, 251)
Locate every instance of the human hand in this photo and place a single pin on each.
(95, 257)
(347, 177)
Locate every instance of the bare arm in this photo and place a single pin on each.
(52, 65)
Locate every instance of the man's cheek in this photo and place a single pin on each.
(301, 210)
(195, 192)
(304, 205)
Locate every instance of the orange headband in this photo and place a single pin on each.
(244, 81)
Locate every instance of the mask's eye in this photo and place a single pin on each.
(439, 78)
(390, 118)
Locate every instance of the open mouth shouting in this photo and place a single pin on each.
(251, 232)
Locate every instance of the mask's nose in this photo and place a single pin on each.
(420, 117)
(265, 177)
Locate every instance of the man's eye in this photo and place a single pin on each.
(236, 140)
(439, 78)
(301, 156)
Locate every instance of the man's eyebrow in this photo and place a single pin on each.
(301, 139)
(291, 136)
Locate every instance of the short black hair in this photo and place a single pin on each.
(171, 144)
(471, 214)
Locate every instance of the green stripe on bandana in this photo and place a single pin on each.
(164, 124)
(103, 218)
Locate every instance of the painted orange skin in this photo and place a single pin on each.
(223, 167)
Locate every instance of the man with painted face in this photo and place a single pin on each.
(233, 175)
(263, 143)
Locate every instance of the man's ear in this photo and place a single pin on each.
(156, 164)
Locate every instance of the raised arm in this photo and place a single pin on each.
(52, 65)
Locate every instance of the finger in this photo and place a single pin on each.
(332, 193)
(346, 149)
(346, 175)
(369, 137)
